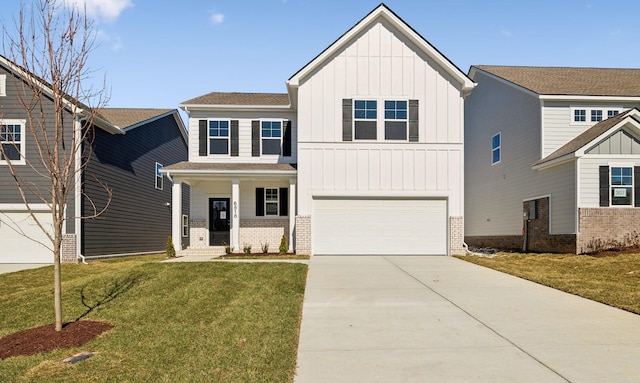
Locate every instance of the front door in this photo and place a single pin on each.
(219, 221)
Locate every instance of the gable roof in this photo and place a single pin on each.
(564, 81)
(587, 137)
(383, 12)
(238, 99)
(130, 118)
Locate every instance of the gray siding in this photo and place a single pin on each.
(11, 108)
(138, 219)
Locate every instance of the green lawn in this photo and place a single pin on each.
(611, 280)
(174, 322)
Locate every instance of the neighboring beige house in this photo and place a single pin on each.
(362, 155)
(553, 159)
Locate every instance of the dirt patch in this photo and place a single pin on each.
(46, 338)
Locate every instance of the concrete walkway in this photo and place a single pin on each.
(440, 319)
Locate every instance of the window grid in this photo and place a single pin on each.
(612, 113)
(271, 201)
(159, 177)
(580, 115)
(621, 186)
(496, 145)
(365, 109)
(596, 115)
(219, 137)
(395, 110)
(271, 137)
(185, 225)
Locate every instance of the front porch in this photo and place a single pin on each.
(237, 205)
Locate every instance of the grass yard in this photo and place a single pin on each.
(174, 322)
(613, 280)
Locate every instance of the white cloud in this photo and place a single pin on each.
(505, 33)
(114, 43)
(217, 18)
(107, 10)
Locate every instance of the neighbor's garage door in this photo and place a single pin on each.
(379, 226)
(17, 232)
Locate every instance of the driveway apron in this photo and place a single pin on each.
(440, 319)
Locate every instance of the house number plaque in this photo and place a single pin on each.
(235, 209)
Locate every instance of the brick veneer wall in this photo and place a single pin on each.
(303, 234)
(606, 228)
(456, 235)
(198, 234)
(256, 232)
(68, 250)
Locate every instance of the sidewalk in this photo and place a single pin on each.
(440, 319)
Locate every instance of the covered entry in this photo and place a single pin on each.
(379, 226)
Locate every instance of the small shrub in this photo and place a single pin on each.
(227, 248)
(284, 245)
(171, 251)
(265, 248)
(246, 249)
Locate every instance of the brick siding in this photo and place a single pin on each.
(198, 234)
(606, 228)
(255, 232)
(303, 234)
(68, 250)
(456, 235)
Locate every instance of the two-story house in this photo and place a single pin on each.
(127, 150)
(362, 155)
(552, 163)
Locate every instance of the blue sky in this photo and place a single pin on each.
(158, 53)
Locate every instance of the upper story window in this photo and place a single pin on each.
(219, 137)
(271, 201)
(159, 176)
(365, 116)
(12, 140)
(496, 148)
(588, 116)
(395, 115)
(596, 115)
(621, 186)
(271, 137)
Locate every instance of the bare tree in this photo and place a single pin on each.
(49, 49)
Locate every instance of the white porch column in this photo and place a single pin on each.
(176, 213)
(235, 213)
(292, 211)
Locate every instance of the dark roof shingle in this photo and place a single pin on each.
(247, 99)
(125, 117)
(571, 81)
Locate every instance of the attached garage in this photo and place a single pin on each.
(379, 226)
(21, 238)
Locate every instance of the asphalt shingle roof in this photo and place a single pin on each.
(125, 117)
(571, 81)
(234, 98)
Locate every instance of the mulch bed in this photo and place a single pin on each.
(46, 338)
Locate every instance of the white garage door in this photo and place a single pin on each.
(17, 234)
(379, 226)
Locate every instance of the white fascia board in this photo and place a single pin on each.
(382, 12)
(187, 172)
(625, 122)
(557, 161)
(106, 126)
(551, 97)
(235, 108)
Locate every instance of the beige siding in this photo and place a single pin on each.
(380, 64)
(589, 177)
(244, 143)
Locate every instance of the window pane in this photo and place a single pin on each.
(389, 114)
(389, 105)
(496, 156)
(11, 151)
(271, 195)
(371, 114)
(401, 115)
(271, 208)
(620, 196)
(395, 130)
(495, 141)
(401, 105)
(218, 146)
(365, 130)
(271, 146)
(359, 104)
(596, 115)
(359, 113)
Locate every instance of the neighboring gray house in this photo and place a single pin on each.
(362, 155)
(128, 149)
(552, 160)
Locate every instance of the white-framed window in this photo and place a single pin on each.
(395, 119)
(185, 225)
(271, 201)
(496, 148)
(219, 137)
(621, 185)
(12, 135)
(271, 132)
(592, 115)
(159, 176)
(365, 116)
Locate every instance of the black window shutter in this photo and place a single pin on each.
(286, 139)
(284, 201)
(413, 121)
(202, 140)
(636, 186)
(347, 113)
(255, 138)
(259, 202)
(235, 148)
(604, 186)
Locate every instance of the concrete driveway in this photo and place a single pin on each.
(440, 319)
(13, 267)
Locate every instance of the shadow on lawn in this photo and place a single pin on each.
(110, 291)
